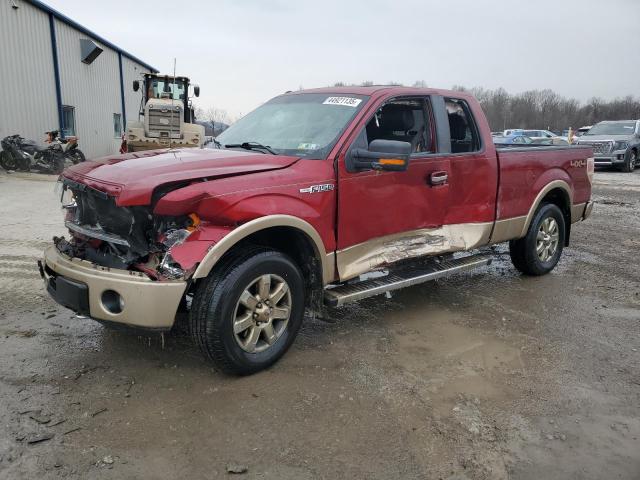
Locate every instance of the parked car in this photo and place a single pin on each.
(513, 131)
(306, 194)
(536, 135)
(582, 130)
(614, 143)
(512, 140)
(557, 140)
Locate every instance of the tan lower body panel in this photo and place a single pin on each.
(509, 229)
(577, 212)
(366, 256)
(147, 303)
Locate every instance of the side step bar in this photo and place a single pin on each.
(430, 270)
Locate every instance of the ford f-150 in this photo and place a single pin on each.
(300, 199)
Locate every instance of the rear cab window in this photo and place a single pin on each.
(463, 130)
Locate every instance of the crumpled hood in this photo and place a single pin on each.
(133, 177)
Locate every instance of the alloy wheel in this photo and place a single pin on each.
(547, 239)
(262, 313)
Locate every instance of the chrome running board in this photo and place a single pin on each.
(406, 277)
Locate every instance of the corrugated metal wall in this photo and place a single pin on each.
(132, 71)
(28, 94)
(93, 90)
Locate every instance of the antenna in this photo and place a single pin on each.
(172, 97)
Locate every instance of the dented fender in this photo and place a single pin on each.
(192, 251)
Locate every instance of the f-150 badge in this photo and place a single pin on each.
(325, 187)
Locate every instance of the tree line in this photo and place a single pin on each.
(542, 109)
(545, 109)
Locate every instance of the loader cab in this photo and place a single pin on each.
(166, 87)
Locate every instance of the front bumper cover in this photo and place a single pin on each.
(81, 285)
(614, 158)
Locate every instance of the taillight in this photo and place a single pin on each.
(591, 168)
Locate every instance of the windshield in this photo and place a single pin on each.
(166, 88)
(613, 128)
(304, 125)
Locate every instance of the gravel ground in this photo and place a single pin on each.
(487, 375)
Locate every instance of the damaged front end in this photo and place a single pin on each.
(126, 238)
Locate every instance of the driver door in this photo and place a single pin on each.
(387, 216)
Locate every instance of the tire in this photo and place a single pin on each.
(631, 162)
(525, 252)
(7, 161)
(217, 307)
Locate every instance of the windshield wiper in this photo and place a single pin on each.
(251, 146)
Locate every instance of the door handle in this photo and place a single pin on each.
(438, 178)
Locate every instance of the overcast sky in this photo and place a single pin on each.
(243, 52)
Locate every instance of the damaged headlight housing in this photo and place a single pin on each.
(64, 195)
(172, 238)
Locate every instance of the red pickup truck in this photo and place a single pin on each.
(299, 200)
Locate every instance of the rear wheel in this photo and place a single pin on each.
(7, 161)
(540, 249)
(247, 312)
(631, 162)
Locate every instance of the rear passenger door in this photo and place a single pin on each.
(473, 179)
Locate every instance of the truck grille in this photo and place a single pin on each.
(599, 147)
(96, 215)
(163, 123)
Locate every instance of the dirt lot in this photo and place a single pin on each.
(484, 375)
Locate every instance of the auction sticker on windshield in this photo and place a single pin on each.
(345, 101)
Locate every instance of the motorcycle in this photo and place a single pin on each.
(20, 154)
(67, 146)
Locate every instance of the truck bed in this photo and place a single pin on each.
(522, 168)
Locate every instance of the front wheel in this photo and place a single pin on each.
(247, 312)
(7, 161)
(631, 162)
(540, 249)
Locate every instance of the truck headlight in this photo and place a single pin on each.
(621, 145)
(64, 195)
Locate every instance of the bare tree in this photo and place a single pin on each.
(546, 109)
(216, 118)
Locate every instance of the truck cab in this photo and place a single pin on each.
(167, 114)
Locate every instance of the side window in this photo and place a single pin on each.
(464, 133)
(406, 120)
(117, 125)
(518, 140)
(68, 121)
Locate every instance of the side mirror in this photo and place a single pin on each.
(391, 155)
(196, 90)
(136, 85)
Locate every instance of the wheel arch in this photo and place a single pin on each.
(286, 233)
(559, 193)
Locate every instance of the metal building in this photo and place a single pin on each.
(56, 74)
